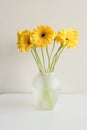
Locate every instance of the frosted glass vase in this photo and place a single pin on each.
(46, 90)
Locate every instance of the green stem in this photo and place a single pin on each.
(53, 60)
(52, 49)
(48, 59)
(57, 57)
(43, 59)
(47, 96)
(38, 59)
(35, 60)
(50, 99)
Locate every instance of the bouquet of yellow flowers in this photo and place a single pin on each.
(46, 85)
(41, 37)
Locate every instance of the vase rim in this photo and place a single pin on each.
(47, 73)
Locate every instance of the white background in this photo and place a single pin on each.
(17, 70)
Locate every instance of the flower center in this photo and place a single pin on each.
(67, 39)
(29, 42)
(43, 35)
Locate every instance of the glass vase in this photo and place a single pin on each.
(46, 90)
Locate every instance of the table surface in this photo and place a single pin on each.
(17, 112)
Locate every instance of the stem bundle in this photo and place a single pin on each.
(51, 64)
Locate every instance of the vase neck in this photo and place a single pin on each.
(47, 73)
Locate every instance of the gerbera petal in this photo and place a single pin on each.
(67, 37)
(42, 36)
(24, 43)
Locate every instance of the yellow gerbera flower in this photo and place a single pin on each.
(42, 36)
(24, 43)
(67, 37)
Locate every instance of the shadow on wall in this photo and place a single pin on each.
(13, 68)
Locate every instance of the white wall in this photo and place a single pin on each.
(17, 70)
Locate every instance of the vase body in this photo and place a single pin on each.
(46, 90)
